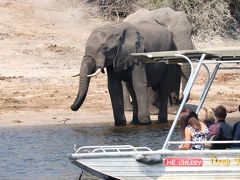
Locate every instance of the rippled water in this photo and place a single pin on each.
(41, 152)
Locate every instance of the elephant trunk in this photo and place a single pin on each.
(87, 67)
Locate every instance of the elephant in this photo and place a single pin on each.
(177, 23)
(110, 47)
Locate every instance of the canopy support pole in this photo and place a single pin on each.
(207, 87)
(185, 94)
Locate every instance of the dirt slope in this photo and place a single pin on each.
(41, 46)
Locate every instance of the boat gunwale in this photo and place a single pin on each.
(157, 152)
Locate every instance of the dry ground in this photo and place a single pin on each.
(41, 46)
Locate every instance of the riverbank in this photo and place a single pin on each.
(83, 117)
(41, 47)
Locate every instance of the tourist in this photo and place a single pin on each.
(236, 133)
(192, 130)
(206, 115)
(221, 129)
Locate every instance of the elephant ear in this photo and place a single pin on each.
(130, 41)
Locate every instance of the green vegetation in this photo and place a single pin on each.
(209, 18)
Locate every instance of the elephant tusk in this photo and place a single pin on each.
(76, 75)
(96, 73)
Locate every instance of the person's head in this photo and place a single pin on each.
(206, 115)
(184, 118)
(220, 113)
(194, 123)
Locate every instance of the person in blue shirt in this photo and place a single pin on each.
(236, 132)
(221, 129)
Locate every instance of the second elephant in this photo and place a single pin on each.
(177, 23)
(110, 46)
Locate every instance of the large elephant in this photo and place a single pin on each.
(177, 23)
(110, 46)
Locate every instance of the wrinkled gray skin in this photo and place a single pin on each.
(177, 23)
(110, 46)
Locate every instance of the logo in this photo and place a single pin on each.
(196, 162)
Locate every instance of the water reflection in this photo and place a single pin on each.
(40, 152)
(151, 136)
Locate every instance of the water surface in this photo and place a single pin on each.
(41, 152)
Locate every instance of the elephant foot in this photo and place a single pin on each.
(137, 122)
(163, 121)
(144, 120)
(120, 123)
(145, 123)
(134, 122)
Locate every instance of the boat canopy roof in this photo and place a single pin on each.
(217, 53)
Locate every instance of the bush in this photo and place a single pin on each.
(115, 8)
(209, 18)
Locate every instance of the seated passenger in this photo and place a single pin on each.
(221, 129)
(206, 115)
(236, 134)
(192, 130)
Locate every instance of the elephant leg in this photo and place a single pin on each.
(185, 73)
(134, 104)
(139, 82)
(153, 101)
(116, 95)
(174, 89)
(163, 105)
(126, 98)
(175, 83)
(167, 85)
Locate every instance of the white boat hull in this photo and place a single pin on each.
(202, 164)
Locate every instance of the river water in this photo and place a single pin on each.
(41, 152)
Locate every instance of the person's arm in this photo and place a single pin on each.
(187, 138)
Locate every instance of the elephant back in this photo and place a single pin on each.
(177, 23)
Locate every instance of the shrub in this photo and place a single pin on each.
(115, 8)
(209, 18)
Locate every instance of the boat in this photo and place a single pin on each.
(128, 162)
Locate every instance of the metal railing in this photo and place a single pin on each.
(107, 149)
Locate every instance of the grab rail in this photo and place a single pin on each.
(162, 152)
(108, 149)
